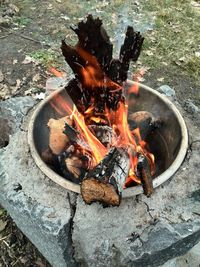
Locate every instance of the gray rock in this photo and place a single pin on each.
(12, 111)
(191, 258)
(190, 107)
(167, 90)
(40, 208)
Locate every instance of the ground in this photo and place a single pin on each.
(30, 37)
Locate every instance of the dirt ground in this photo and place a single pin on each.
(30, 38)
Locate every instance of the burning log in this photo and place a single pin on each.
(57, 139)
(145, 175)
(73, 164)
(145, 121)
(105, 182)
(92, 63)
(130, 50)
(103, 133)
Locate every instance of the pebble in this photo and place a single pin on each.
(167, 90)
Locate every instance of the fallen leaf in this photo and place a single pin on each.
(36, 77)
(2, 225)
(161, 79)
(15, 61)
(197, 54)
(39, 96)
(28, 60)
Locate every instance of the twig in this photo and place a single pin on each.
(22, 36)
(4, 36)
(4, 237)
(6, 244)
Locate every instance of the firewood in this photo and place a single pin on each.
(57, 139)
(73, 165)
(145, 175)
(93, 56)
(145, 121)
(103, 132)
(105, 182)
(48, 156)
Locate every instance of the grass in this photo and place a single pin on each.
(22, 21)
(175, 38)
(46, 57)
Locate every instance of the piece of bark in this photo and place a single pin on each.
(57, 139)
(105, 182)
(145, 121)
(145, 175)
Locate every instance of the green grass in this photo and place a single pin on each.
(175, 37)
(47, 57)
(22, 21)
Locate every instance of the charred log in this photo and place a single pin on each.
(105, 182)
(94, 52)
(130, 50)
(145, 175)
(94, 39)
(73, 165)
(103, 133)
(145, 121)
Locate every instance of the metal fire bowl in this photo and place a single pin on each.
(168, 144)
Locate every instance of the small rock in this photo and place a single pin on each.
(167, 90)
(1, 76)
(190, 107)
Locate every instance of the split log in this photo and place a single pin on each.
(145, 121)
(145, 175)
(73, 164)
(105, 182)
(92, 55)
(57, 139)
(130, 50)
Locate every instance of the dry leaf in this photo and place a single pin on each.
(161, 79)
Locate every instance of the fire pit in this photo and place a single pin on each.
(168, 144)
(103, 132)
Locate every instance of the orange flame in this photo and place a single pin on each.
(96, 147)
(93, 77)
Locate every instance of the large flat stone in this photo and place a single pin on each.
(40, 208)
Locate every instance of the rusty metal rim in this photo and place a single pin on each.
(132, 191)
